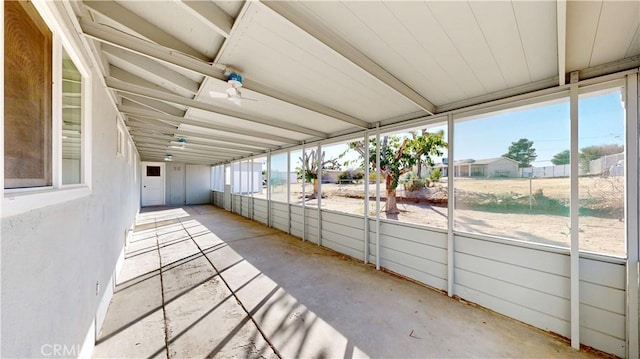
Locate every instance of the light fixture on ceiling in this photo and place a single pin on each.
(169, 157)
(182, 142)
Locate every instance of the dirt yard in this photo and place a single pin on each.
(601, 229)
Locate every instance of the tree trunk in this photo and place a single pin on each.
(314, 195)
(392, 206)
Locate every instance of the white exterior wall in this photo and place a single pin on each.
(198, 184)
(176, 184)
(55, 257)
(501, 165)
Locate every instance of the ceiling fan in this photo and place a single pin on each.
(232, 93)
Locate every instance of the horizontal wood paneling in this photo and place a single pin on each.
(511, 253)
(343, 233)
(418, 253)
(514, 310)
(260, 210)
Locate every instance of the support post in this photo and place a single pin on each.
(575, 207)
(319, 175)
(289, 191)
(450, 207)
(632, 189)
(367, 167)
(269, 189)
(252, 179)
(304, 198)
(378, 196)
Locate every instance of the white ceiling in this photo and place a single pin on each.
(323, 68)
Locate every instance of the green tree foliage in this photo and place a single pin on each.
(590, 153)
(399, 155)
(522, 151)
(561, 158)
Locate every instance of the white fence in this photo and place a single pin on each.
(603, 164)
(546, 172)
(600, 166)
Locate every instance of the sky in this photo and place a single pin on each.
(601, 121)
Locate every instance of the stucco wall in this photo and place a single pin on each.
(53, 258)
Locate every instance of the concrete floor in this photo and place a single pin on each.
(202, 282)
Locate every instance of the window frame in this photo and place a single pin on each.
(20, 200)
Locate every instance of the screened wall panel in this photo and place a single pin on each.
(418, 253)
(237, 203)
(245, 206)
(260, 210)
(296, 222)
(343, 233)
(527, 284)
(280, 216)
(602, 305)
(311, 224)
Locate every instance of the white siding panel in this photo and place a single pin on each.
(344, 231)
(260, 210)
(344, 219)
(603, 273)
(514, 310)
(420, 276)
(421, 250)
(602, 321)
(527, 298)
(602, 342)
(532, 279)
(602, 297)
(341, 248)
(352, 243)
(412, 233)
(541, 260)
(418, 263)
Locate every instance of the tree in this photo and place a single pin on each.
(561, 158)
(398, 156)
(523, 152)
(310, 171)
(590, 153)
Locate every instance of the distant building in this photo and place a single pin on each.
(489, 167)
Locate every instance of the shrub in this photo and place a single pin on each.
(435, 174)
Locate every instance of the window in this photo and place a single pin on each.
(411, 184)
(45, 91)
(511, 174)
(153, 171)
(120, 140)
(71, 121)
(28, 97)
(601, 184)
(295, 166)
(278, 177)
(343, 177)
(260, 177)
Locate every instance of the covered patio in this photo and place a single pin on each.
(199, 281)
